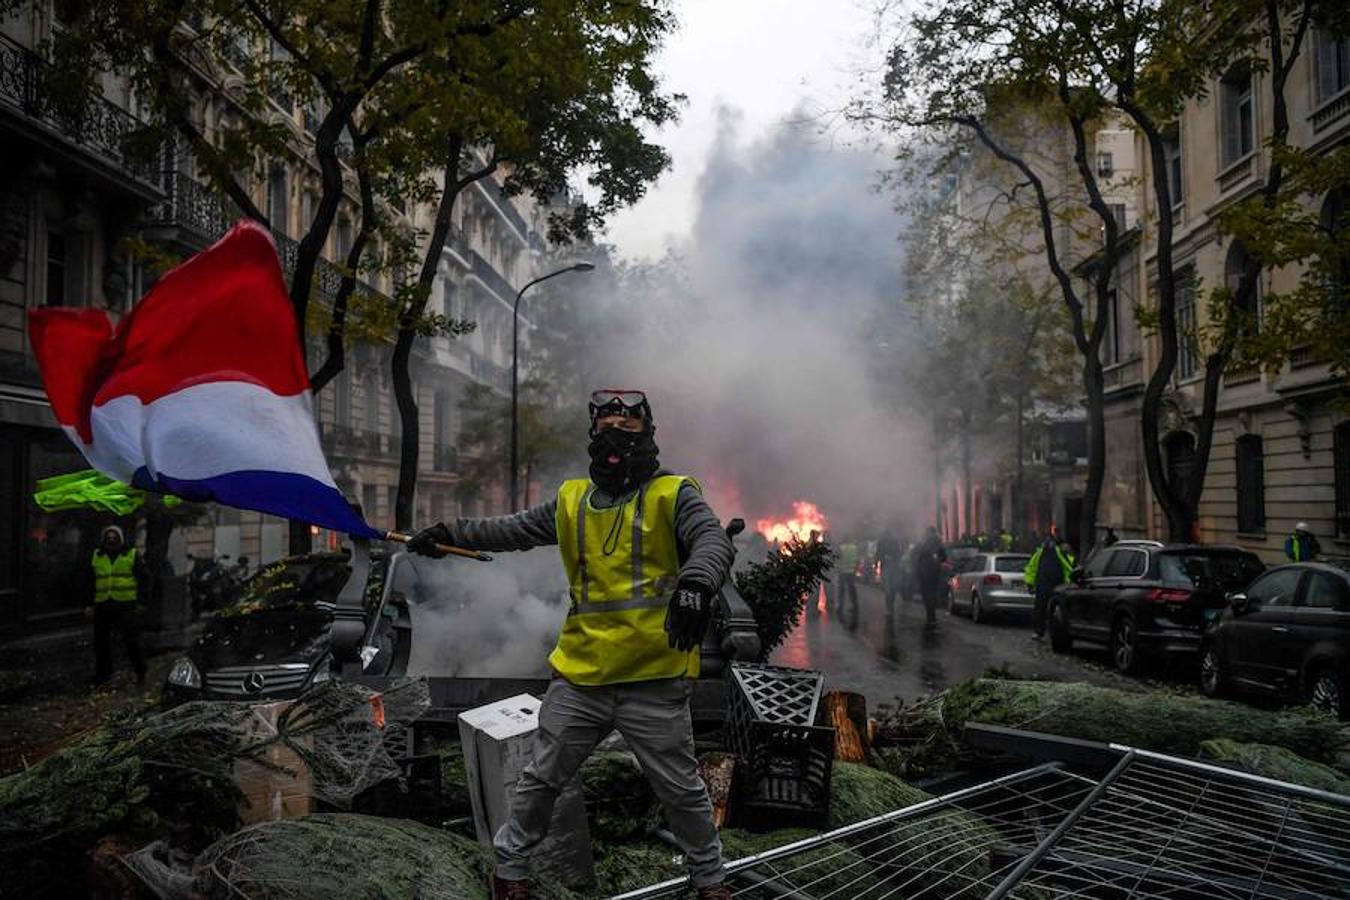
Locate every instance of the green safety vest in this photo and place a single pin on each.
(615, 630)
(1034, 564)
(848, 559)
(115, 579)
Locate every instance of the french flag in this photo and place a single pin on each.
(200, 391)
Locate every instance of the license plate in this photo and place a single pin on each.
(1017, 583)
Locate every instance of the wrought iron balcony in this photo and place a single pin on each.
(487, 372)
(95, 124)
(206, 216)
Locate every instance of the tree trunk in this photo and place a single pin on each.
(937, 475)
(407, 334)
(967, 522)
(409, 428)
(1019, 519)
(1096, 473)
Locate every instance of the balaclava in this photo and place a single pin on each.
(622, 460)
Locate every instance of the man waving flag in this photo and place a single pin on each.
(200, 391)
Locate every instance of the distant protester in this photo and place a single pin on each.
(120, 579)
(1302, 545)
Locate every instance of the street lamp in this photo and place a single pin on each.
(515, 365)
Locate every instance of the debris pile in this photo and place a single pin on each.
(918, 739)
(157, 799)
(176, 776)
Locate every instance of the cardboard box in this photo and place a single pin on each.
(271, 794)
(498, 742)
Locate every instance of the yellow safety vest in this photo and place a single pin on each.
(115, 579)
(622, 564)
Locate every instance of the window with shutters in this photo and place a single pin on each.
(1251, 484)
(1238, 115)
(1171, 137)
(1336, 220)
(1185, 312)
(1333, 64)
(1340, 450)
(1233, 269)
(277, 201)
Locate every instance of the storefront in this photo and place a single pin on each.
(44, 557)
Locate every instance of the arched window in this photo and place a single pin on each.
(1233, 269)
(1251, 484)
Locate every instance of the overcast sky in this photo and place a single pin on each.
(758, 60)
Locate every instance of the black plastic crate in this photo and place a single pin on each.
(415, 794)
(784, 758)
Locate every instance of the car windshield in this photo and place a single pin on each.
(1011, 563)
(294, 583)
(1196, 568)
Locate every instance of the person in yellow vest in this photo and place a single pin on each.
(644, 556)
(119, 587)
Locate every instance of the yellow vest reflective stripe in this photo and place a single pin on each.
(622, 564)
(115, 579)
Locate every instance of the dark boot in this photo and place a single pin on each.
(511, 889)
(714, 892)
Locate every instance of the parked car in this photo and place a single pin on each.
(989, 583)
(1287, 635)
(1143, 599)
(272, 642)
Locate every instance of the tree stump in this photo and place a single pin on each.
(716, 770)
(847, 712)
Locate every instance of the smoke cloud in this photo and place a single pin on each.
(756, 341)
(485, 619)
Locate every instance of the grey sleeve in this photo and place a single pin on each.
(708, 552)
(534, 527)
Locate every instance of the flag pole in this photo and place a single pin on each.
(401, 538)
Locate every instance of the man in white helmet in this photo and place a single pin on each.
(1302, 546)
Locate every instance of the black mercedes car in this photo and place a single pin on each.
(1144, 599)
(273, 641)
(1287, 635)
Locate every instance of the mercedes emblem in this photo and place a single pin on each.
(253, 683)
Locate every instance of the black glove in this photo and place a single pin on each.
(688, 615)
(425, 541)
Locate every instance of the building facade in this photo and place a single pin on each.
(73, 210)
(1281, 448)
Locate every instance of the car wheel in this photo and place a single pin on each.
(1212, 680)
(976, 610)
(1125, 646)
(1061, 641)
(1326, 691)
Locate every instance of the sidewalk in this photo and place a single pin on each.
(47, 696)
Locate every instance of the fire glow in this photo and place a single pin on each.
(805, 519)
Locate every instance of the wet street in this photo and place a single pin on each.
(905, 660)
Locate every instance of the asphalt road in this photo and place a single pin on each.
(884, 660)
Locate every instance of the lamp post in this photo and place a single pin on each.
(515, 368)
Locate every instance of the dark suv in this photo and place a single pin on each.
(1143, 598)
(1287, 635)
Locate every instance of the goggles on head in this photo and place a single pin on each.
(620, 402)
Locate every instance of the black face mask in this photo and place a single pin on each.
(622, 460)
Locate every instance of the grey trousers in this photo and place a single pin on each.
(653, 717)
